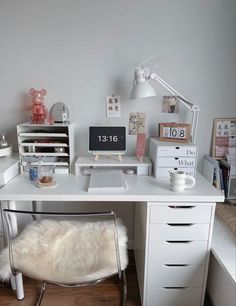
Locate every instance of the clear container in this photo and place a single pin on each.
(33, 173)
(45, 174)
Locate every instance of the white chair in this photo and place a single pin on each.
(65, 249)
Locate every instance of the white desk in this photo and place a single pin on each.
(172, 230)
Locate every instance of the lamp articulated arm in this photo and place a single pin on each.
(192, 107)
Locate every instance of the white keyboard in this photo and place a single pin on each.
(91, 170)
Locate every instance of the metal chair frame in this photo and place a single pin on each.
(11, 233)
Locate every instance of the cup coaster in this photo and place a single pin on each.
(46, 185)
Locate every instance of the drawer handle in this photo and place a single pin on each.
(179, 241)
(176, 158)
(180, 224)
(177, 148)
(176, 265)
(175, 288)
(178, 207)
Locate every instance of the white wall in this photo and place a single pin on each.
(81, 51)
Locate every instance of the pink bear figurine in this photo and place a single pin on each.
(38, 108)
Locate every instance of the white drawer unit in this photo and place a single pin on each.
(164, 172)
(176, 162)
(49, 144)
(172, 296)
(182, 275)
(181, 213)
(178, 231)
(176, 252)
(167, 156)
(167, 149)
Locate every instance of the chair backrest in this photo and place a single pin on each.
(65, 248)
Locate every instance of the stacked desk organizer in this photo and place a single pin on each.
(49, 144)
(168, 156)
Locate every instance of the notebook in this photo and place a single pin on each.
(112, 180)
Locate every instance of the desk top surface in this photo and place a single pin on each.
(140, 188)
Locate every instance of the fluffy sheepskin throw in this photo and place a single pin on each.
(67, 252)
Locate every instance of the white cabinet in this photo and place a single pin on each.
(172, 246)
(49, 144)
(167, 156)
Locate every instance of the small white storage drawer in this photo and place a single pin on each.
(176, 276)
(176, 161)
(181, 150)
(175, 231)
(162, 172)
(180, 214)
(173, 296)
(177, 252)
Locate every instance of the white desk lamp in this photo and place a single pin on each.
(143, 89)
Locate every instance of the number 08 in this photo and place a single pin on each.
(177, 132)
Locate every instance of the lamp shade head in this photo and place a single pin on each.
(141, 86)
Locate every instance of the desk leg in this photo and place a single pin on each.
(16, 281)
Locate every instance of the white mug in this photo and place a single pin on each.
(180, 181)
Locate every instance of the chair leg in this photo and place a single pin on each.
(42, 292)
(124, 289)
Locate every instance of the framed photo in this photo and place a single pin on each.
(170, 104)
(224, 138)
(176, 132)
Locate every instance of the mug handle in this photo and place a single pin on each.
(191, 180)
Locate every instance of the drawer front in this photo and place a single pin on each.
(176, 162)
(176, 276)
(173, 296)
(180, 214)
(189, 151)
(162, 172)
(177, 252)
(173, 231)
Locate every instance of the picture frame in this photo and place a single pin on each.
(170, 104)
(175, 132)
(224, 137)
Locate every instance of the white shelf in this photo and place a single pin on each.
(36, 134)
(44, 154)
(45, 144)
(51, 163)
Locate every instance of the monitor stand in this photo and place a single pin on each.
(119, 155)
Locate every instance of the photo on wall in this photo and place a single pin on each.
(137, 122)
(170, 104)
(113, 106)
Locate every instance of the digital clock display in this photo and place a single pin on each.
(107, 138)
